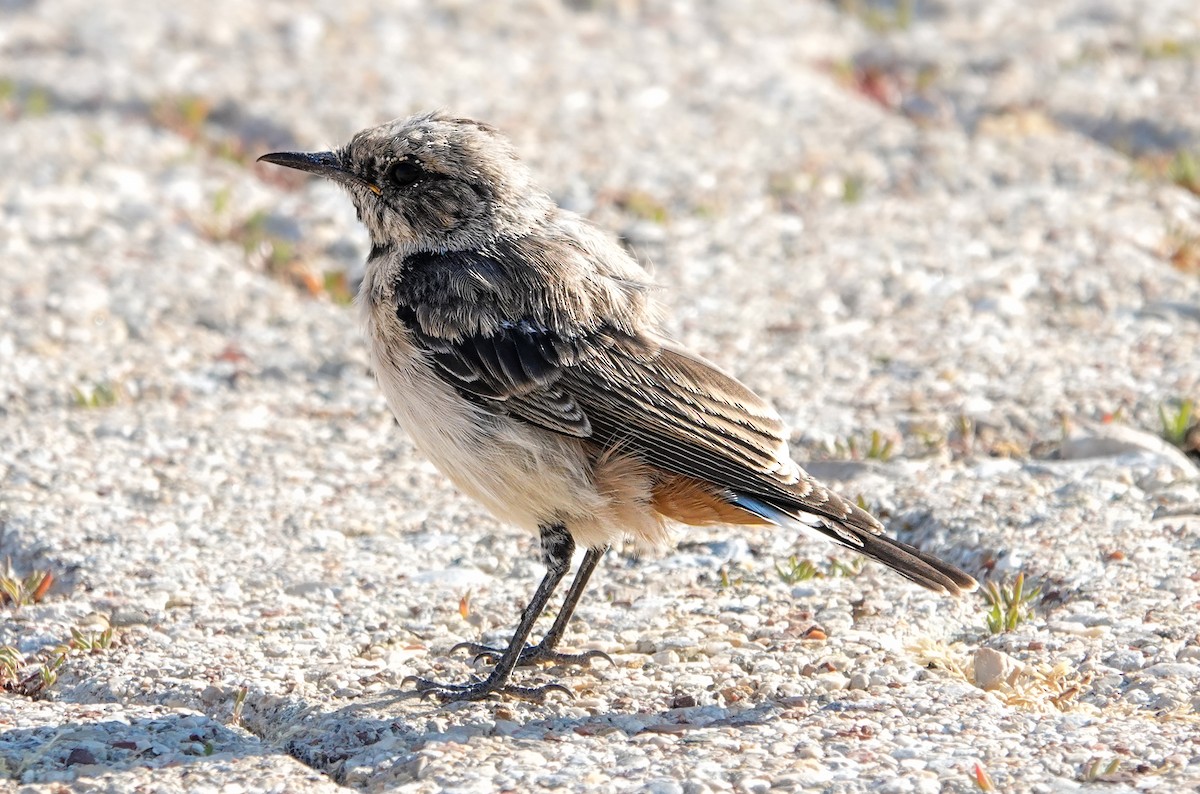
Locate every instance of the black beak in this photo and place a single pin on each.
(326, 164)
(322, 163)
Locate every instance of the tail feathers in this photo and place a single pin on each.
(864, 537)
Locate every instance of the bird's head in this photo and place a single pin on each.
(431, 183)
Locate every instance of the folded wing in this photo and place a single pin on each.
(675, 411)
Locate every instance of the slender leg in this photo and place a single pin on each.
(544, 650)
(557, 548)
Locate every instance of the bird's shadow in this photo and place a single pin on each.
(84, 747)
(359, 738)
(333, 741)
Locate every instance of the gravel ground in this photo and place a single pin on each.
(950, 224)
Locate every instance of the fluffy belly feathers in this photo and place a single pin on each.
(522, 474)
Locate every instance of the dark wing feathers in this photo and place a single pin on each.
(515, 370)
(684, 415)
(676, 411)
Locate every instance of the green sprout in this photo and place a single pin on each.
(1184, 171)
(1099, 771)
(23, 592)
(1177, 421)
(797, 570)
(846, 569)
(239, 703)
(1009, 605)
(98, 395)
(877, 448)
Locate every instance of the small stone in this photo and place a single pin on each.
(831, 682)
(212, 694)
(1125, 660)
(810, 750)
(993, 668)
(80, 755)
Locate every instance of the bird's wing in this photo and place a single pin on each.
(649, 398)
(515, 369)
(672, 410)
(683, 414)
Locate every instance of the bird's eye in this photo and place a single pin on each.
(404, 173)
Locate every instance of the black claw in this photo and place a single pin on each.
(531, 655)
(481, 690)
(548, 688)
(577, 658)
(557, 546)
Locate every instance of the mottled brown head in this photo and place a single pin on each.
(431, 183)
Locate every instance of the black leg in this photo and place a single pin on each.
(544, 651)
(557, 548)
(545, 648)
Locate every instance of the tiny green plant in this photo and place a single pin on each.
(239, 704)
(32, 676)
(37, 102)
(878, 447)
(23, 591)
(931, 437)
(261, 245)
(10, 665)
(29, 101)
(728, 580)
(221, 199)
(796, 570)
(276, 254)
(98, 395)
(91, 643)
(47, 674)
(337, 287)
(852, 188)
(1177, 421)
(1009, 605)
(1098, 770)
(1184, 171)
(642, 205)
(962, 435)
(42, 671)
(848, 569)
(1169, 48)
(882, 18)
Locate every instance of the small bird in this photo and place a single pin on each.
(519, 346)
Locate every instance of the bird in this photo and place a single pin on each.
(521, 348)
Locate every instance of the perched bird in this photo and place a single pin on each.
(519, 346)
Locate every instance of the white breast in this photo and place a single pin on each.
(523, 475)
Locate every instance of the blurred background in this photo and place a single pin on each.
(957, 244)
(790, 170)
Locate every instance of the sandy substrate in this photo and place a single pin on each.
(955, 228)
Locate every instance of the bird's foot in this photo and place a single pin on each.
(483, 689)
(531, 655)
